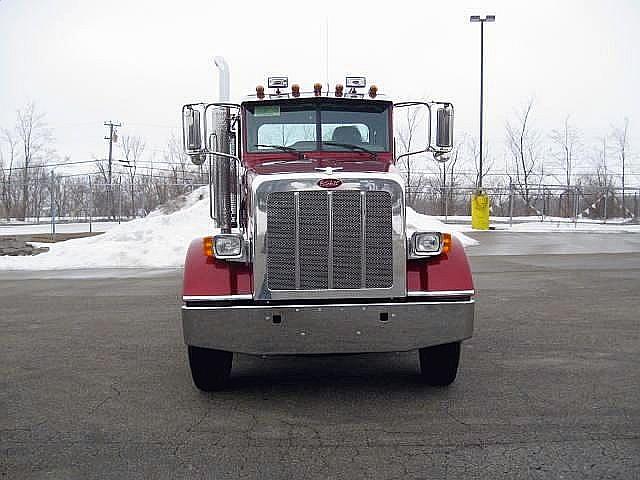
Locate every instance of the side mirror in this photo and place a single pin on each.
(191, 130)
(444, 128)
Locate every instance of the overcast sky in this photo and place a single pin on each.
(83, 62)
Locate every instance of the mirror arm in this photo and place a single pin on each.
(426, 150)
(411, 153)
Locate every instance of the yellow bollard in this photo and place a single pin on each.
(480, 211)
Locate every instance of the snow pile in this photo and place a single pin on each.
(426, 223)
(565, 226)
(161, 239)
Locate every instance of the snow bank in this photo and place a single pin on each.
(565, 226)
(418, 221)
(160, 240)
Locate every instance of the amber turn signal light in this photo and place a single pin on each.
(446, 243)
(207, 245)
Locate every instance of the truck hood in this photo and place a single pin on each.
(312, 164)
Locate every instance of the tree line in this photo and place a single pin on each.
(30, 184)
(527, 162)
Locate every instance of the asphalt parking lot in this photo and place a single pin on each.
(95, 382)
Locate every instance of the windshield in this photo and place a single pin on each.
(306, 126)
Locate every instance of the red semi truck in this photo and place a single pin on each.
(312, 254)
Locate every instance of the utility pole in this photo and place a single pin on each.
(474, 19)
(52, 209)
(112, 138)
(480, 206)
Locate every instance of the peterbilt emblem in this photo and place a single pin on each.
(329, 183)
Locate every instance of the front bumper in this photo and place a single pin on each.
(328, 328)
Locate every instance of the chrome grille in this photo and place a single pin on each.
(282, 218)
(319, 240)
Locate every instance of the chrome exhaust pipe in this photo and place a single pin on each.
(224, 170)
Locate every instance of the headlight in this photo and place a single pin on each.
(227, 246)
(427, 244)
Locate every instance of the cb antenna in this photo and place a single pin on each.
(327, 52)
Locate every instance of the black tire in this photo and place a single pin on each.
(439, 364)
(210, 368)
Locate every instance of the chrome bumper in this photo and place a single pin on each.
(328, 328)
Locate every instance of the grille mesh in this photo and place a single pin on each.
(313, 219)
(318, 227)
(281, 245)
(378, 241)
(347, 240)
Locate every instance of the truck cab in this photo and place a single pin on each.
(311, 254)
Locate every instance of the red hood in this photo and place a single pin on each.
(346, 162)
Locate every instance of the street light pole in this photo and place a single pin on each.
(481, 20)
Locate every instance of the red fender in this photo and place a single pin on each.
(206, 276)
(448, 272)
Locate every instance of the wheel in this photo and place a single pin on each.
(210, 368)
(439, 364)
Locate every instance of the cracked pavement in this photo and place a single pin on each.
(95, 384)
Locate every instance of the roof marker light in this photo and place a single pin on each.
(373, 91)
(339, 90)
(278, 82)
(317, 89)
(356, 82)
(260, 92)
(295, 90)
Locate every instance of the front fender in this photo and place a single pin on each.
(444, 273)
(207, 276)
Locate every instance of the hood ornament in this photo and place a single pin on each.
(328, 170)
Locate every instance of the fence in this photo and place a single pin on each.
(574, 204)
(58, 203)
(89, 203)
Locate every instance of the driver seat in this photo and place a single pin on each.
(347, 134)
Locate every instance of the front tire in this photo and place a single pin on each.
(439, 364)
(210, 368)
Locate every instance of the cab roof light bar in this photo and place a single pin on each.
(278, 82)
(353, 83)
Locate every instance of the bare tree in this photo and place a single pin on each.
(602, 176)
(176, 158)
(620, 137)
(407, 130)
(473, 146)
(566, 144)
(35, 139)
(132, 148)
(6, 171)
(524, 145)
(447, 174)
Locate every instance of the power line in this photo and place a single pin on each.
(47, 165)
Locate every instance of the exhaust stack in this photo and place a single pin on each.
(224, 171)
(223, 79)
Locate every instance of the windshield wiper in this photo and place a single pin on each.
(353, 147)
(282, 148)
